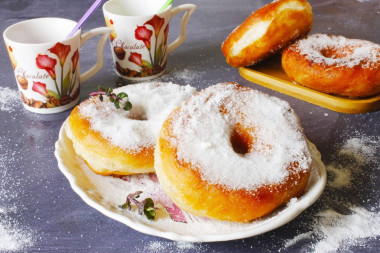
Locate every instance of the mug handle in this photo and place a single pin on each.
(99, 62)
(189, 8)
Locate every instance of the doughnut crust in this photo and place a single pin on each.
(213, 162)
(115, 142)
(267, 30)
(335, 65)
(100, 155)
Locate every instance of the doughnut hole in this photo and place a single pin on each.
(334, 53)
(241, 141)
(328, 53)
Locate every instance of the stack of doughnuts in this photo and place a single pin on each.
(327, 63)
(227, 152)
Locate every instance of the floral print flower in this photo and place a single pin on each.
(74, 60)
(166, 33)
(40, 88)
(144, 34)
(136, 58)
(156, 22)
(46, 63)
(61, 51)
(109, 23)
(11, 56)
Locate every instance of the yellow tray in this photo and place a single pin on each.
(271, 75)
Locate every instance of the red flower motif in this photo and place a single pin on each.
(136, 58)
(166, 33)
(61, 51)
(40, 88)
(156, 22)
(46, 63)
(74, 60)
(144, 34)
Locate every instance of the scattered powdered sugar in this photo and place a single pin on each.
(362, 150)
(202, 135)
(337, 229)
(334, 230)
(356, 153)
(345, 52)
(179, 247)
(13, 236)
(151, 104)
(343, 224)
(341, 178)
(187, 75)
(9, 99)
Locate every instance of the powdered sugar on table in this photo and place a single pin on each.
(342, 224)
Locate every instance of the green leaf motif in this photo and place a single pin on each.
(158, 55)
(66, 83)
(53, 94)
(148, 64)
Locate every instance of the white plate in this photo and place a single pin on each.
(106, 193)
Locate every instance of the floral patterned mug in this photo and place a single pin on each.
(139, 37)
(46, 63)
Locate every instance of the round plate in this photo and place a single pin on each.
(107, 193)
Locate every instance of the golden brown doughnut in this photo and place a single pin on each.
(334, 64)
(117, 142)
(267, 30)
(232, 153)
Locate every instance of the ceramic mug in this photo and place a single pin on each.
(139, 37)
(46, 63)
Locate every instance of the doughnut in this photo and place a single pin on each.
(116, 142)
(334, 64)
(232, 153)
(266, 31)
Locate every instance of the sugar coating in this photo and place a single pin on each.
(352, 52)
(139, 127)
(202, 135)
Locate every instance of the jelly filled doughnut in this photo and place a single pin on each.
(118, 142)
(232, 153)
(267, 30)
(334, 64)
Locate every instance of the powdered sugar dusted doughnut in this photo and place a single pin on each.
(232, 153)
(334, 64)
(114, 141)
(267, 30)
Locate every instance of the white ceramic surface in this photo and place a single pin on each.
(100, 192)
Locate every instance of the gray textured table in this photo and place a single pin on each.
(40, 212)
